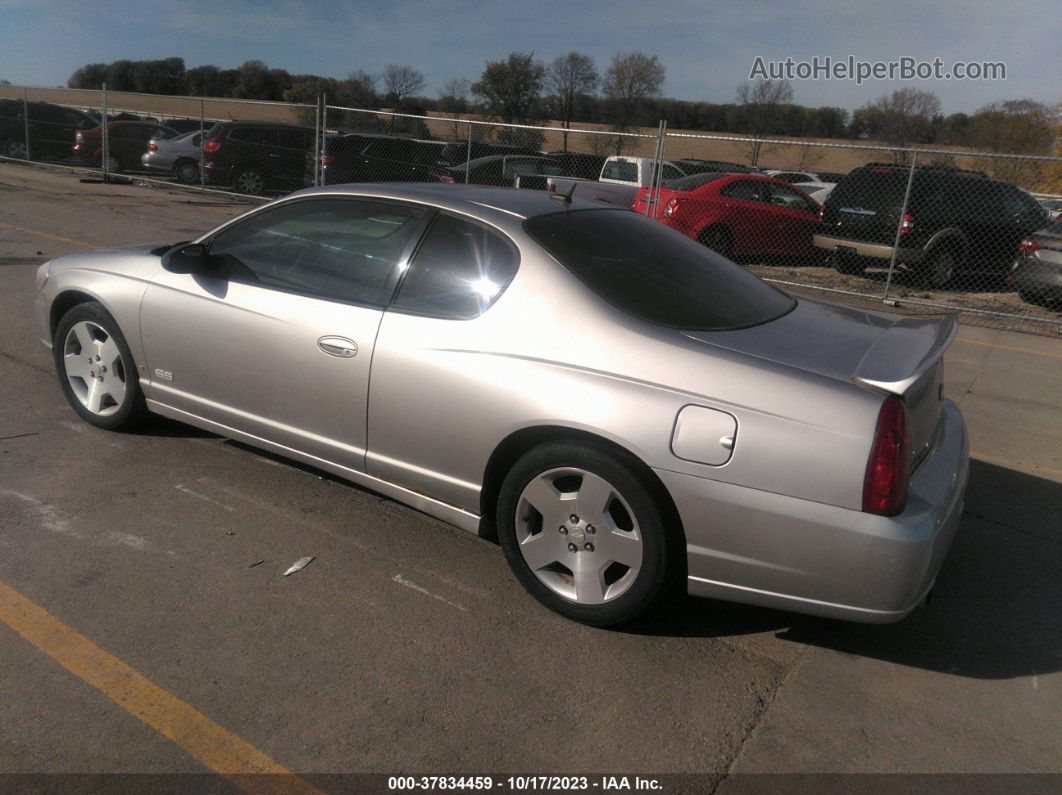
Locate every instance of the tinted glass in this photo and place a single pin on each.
(745, 190)
(254, 135)
(692, 182)
(344, 249)
(782, 196)
(628, 172)
(655, 273)
(670, 172)
(460, 270)
(873, 187)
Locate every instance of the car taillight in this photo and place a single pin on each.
(212, 145)
(889, 466)
(1028, 246)
(671, 208)
(326, 160)
(153, 147)
(444, 178)
(822, 213)
(79, 138)
(907, 224)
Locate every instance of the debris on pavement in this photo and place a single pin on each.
(257, 563)
(301, 563)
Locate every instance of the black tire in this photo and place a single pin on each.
(186, 172)
(120, 416)
(850, 266)
(717, 238)
(14, 148)
(249, 181)
(938, 271)
(660, 537)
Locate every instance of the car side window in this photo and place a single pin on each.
(340, 249)
(253, 135)
(783, 196)
(460, 270)
(744, 190)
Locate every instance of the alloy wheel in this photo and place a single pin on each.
(250, 182)
(578, 536)
(94, 368)
(16, 149)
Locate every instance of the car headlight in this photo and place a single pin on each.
(42, 275)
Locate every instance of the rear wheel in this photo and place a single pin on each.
(96, 370)
(717, 238)
(249, 181)
(15, 149)
(187, 172)
(939, 270)
(584, 530)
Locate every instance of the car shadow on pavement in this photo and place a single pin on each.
(996, 611)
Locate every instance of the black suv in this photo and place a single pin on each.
(358, 157)
(52, 129)
(955, 220)
(255, 156)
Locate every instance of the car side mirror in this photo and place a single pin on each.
(189, 258)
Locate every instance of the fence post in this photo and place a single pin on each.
(657, 155)
(468, 154)
(104, 154)
(317, 142)
(25, 122)
(202, 146)
(324, 138)
(899, 226)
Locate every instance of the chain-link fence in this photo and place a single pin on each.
(914, 229)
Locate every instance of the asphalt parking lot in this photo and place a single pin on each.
(136, 636)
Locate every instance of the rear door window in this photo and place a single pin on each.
(460, 270)
(254, 135)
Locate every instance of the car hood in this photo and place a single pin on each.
(139, 261)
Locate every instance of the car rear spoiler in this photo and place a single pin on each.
(906, 350)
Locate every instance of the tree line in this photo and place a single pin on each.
(626, 94)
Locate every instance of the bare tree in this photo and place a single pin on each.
(1018, 126)
(453, 100)
(401, 82)
(510, 90)
(570, 78)
(631, 79)
(810, 155)
(762, 103)
(903, 118)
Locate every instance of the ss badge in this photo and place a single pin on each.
(165, 375)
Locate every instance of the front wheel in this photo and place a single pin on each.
(584, 530)
(96, 370)
(16, 150)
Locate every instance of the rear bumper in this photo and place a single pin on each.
(1039, 274)
(870, 250)
(756, 547)
(156, 163)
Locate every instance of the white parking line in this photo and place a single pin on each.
(413, 586)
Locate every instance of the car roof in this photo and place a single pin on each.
(237, 123)
(471, 199)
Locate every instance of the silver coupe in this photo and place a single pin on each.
(626, 410)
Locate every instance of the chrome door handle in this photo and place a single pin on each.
(338, 346)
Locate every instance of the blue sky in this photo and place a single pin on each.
(708, 48)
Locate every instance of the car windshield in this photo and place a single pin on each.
(655, 273)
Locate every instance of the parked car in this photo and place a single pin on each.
(578, 164)
(374, 158)
(736, 214)
(795, 177)
(618, 183)
(52, 129)
(126, 143)
(1037, 272)
(255, 156)
(177, 157)
(955, 220)
(457, 152)
(503, 171)
(628, 409)
(694, 166)
(188, 125)
(1053, 207)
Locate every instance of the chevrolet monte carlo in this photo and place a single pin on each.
(627, 410)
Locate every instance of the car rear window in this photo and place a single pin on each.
(621, 170)
(655, 273)
(874, 187)
(692, 182)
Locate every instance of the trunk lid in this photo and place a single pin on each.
(895, 356)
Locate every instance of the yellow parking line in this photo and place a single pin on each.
(48, 235)
(182, 724)
(1008, 348)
